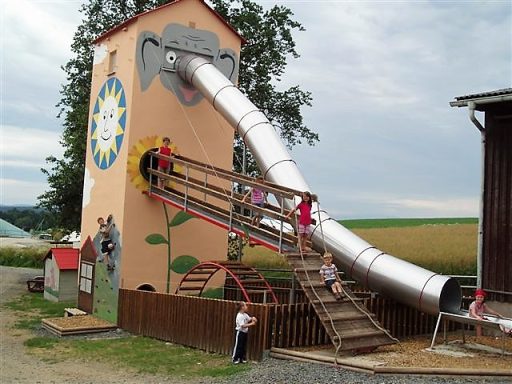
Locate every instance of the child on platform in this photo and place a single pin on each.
(329, 276)
(478, 308)
(304, 229)
(258, 198)
(242, 324)
(164, 165)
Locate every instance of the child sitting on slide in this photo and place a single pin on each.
(478, 309)
(329, 276)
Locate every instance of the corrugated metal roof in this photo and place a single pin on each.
(498, 92)
(66, 258)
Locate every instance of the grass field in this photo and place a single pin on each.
(446, 246)
(400, 223)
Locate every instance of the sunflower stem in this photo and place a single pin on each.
(168, 248)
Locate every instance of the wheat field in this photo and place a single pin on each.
(442, 248)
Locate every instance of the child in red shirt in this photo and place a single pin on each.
(164, 165)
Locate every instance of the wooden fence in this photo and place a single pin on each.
(207, 324)
(401, 320)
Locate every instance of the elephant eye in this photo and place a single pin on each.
(170, 57)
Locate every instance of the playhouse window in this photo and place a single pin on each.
(112, 62)
(85, 277)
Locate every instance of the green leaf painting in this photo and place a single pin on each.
(180, 218)
(183, 264)
(155, 239)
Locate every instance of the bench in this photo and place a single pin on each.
(500, 324)
(36, 284)
(68, 312)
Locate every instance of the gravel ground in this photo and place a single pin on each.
(19, 367)
(284, 371)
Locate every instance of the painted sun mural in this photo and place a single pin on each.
(136, 153)
(108, 123)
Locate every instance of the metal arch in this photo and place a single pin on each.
(226, 269)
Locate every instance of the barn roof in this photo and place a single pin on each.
(499, 95)
(66, 258)
(134, 18)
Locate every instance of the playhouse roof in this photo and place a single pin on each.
(134, 18)
(66, 258)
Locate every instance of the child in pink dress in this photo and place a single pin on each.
(304, 229)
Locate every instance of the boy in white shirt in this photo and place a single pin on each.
(242, 324)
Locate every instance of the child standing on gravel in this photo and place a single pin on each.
(329, 276)
(242, 323)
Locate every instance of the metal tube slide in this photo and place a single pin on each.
(403, 281)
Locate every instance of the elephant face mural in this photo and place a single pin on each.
(158, 55)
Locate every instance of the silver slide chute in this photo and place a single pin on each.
(405, 282)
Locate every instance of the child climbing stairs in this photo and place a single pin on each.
(347, 322)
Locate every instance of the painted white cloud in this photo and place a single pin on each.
(88, 185)
(100, 53)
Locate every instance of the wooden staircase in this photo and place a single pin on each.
(346, 321)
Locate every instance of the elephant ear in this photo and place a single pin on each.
(149, 57)
(227, 63)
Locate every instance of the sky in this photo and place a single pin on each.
(381, 75)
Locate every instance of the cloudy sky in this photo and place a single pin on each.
(381, 72)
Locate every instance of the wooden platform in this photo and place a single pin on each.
(347, 322)
(75, 325)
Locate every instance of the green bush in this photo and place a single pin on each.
(22, 257)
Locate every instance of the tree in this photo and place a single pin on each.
(262, 64)
(66, 175)
(263, 61)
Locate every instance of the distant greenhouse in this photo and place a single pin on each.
(9, 230)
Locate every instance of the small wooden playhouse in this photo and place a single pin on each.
(60, 274)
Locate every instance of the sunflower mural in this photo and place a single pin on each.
(108, 123)
(138, 152)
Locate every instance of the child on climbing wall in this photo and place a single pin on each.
(478, 308)
(242, 323)
(107, 246)
(329, 276)
(258, 198)
(164, 166)
(304, 229)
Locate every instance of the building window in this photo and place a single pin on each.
(86, 277)
(112, 62)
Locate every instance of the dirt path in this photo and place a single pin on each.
(17, 366)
